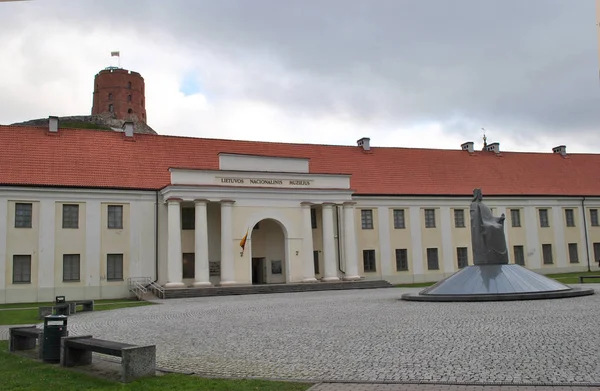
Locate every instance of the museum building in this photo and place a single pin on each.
(82, 211)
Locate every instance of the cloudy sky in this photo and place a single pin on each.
(408, 73)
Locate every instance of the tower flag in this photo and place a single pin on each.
(117, 54)
(243, 241)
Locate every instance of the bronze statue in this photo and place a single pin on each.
(487, 234)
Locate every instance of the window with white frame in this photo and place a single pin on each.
(399, 219)
(519, 255)
(544, 221)
(114, 267)
(433, 262)
(429, 218)
(23, 215)
(70, 216)
(459, 218)
(115, 216)
(366, 218)
(401, 260)
(71, 265)
(21, 269)
(570, 217)
(547, 254)
(573, 253)
(515, 217)
(369, 261)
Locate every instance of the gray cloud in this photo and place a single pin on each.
(522, 67)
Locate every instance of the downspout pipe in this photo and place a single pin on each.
(587, 242)
(156, 239)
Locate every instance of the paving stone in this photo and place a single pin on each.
(365, 336)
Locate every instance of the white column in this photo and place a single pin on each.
(227, 264)
(308, 261)
(46, 257)
(3, 233)
(448, 250)
(533, 258)
(416, 241)
(561, 256)
(330, 272)
(388, 263)
(174, 256)
(350, 243)
(93, 248)
(201, 274)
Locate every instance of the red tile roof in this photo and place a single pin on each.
(104, 159)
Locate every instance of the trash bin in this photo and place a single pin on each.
(55, 327)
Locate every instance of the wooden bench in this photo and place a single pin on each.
(582, 277)
(136, 361)
(25, 338)
(88, 305)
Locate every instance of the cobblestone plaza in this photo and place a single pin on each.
(365, 336)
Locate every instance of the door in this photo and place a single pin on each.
(258, 267)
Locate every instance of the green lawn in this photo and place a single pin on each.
(30, 316)
(564, 278)
(18, 373)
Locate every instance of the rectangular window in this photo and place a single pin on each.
(401, 260)
(515, 217)
(114, 267)
(70, 216)
(23, 213)
(547, 254)
(544, 222)
(115, 216)
(366, 218)
(459, 218)
(399, 219)
(316, 261)
(462, 257)
(189, 265)
(429, 218)
(594, 218)
(573, 253)
(432, 259)
(313, 218)
(570, 217)
(369, 261)
(519, 254)
(21, 269)
(188, 218)
(597, 252)
(71, 264)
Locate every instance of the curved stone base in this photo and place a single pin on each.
(496, 283)
(573, 292)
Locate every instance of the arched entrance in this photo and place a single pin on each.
(268, 253)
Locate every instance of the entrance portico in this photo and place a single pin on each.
(227, 204)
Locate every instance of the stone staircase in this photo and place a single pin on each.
(178, 293)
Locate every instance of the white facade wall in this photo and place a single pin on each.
(279, 212)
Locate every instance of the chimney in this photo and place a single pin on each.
(364, 143)
(53, 124)
(128, 128)
(493, 147)
(562, 149)
(468, 146)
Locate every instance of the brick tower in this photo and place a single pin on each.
(120, 92)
